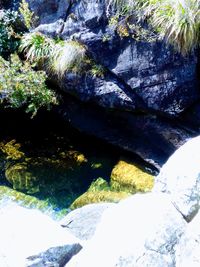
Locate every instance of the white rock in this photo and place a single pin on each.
(140, 225)
(25, 232)
(188, 249)
(82, 222)
(180, 177)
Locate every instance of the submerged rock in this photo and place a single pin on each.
(98, 196)
(21, 179)
(129, 178)
(99, 185)
(99, 191)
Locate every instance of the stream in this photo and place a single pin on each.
(46, 164)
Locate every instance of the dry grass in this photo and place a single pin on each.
(177, 21)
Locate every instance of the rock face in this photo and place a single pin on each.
(180, 177)
(187, 252)
(145, 81)
(30, 238)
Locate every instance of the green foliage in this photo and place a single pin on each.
(9, 40)
(176, 21)
(26, 14)
(97, 70)
(57, 56)
(21, 86)
(121, 6)
(36, 47)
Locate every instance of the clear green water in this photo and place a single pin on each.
(57, 164)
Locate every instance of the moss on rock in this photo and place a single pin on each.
(99, 185)
(129, 178)
(98, 196)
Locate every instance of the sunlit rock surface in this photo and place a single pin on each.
(187, 251)
(130, 178)
(30, 238)
(82, 222)
(139, 231)
(180, 178)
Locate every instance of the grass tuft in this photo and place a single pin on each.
(36, 46)
(178, 21)
(67, 56)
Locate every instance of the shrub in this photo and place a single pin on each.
(26, 14)
(9, 40)
(21, 86)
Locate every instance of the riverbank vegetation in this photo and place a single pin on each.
(22, 87)
(177, 21)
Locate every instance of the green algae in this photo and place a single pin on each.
(11, 149)
(98, 197)
(21, 179)
(96, 165)
(99, 191)
(99, 185)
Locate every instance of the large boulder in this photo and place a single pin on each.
(30, 238)
(180, 178)
(142, 230)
